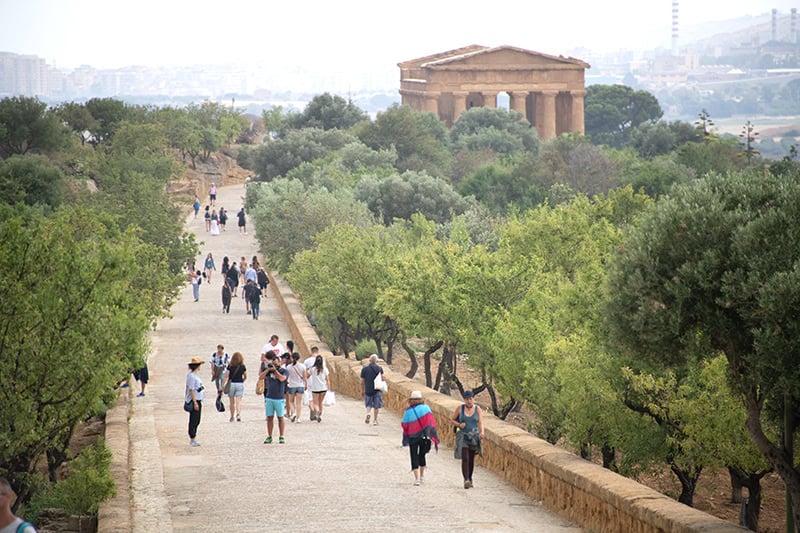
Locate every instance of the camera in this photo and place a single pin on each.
(270, 365)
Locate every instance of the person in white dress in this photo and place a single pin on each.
(214, 222)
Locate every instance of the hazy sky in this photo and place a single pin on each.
(324, 33)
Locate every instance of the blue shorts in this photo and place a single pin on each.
(237, 390)
(295, 390)
(275, 407)
(374, 401)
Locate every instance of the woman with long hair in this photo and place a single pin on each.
(237, 374)
(209, 266)
(194, 394)
(469, 421)
(319, 384)
(419, 432)
(296, 386)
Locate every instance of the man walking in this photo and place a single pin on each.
(373, 398)
(275, 386)
(242, 221)
(273, 347)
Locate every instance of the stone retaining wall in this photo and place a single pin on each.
(115, 513)
(583, 492)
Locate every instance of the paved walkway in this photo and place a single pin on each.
(338, 475)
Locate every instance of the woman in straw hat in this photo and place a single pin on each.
(194, 394)
(419, 431)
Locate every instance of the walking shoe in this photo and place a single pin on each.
(281, 440)
(366, 420)
(268, 440)
(312, 415)
(238, 418)
(319, 417)
(194, 443)
(294, 418)
(467, 484)
(416, 483)
(375, 423)
(140, 395)
(231, 420)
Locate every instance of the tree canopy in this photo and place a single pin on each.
(613, 110)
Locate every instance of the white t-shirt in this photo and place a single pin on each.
(12, 527)
(193, 382)
(296, 375)
(278, 349)
(316, 382)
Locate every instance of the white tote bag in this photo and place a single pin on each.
(379, 384)
(307, 396)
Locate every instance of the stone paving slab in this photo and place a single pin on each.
(337, 475)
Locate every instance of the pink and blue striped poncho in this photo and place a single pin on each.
(418, 423)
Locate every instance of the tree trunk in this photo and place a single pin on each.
(426, 358)
(586, 451)
(411, 356)
(609, 457)
(688, 481)
(775, 455)
(736, 484)
(753, 507)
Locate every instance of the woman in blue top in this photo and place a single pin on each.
(209, 266)
(469, 421)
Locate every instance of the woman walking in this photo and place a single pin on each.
(225, 267)
(195, 279)
(419, 432)
(319, 384)
(214, 222)
(207, 217)
(194, 394)
(209, 266)
(296, 387)
(237, 374)
(226, 296)
(469, 421)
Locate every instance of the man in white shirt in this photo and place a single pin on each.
(272, 347)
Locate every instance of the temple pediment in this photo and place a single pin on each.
(498, 57)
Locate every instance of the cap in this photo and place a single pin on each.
(469, 394)
(415, 395)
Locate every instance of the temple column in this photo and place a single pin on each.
(517, 100)
(546, 109)
(459, 103)
(489, 99)
(577, 124)
(432, 103)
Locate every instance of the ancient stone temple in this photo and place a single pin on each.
(547, 90)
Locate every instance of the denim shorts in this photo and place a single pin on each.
(373, 401)
(295, 390)
(275, 407)
(237, 390)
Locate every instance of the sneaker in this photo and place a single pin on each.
(140, 395)
(312, 415)
(375, 423)
(416, 483)
(238, 418)
(281, 440)
(319, 418)
(194, 443)
(125, 385)
(366, 420)
(268, 440)
(294, 418)
(231, 420)
(467, 484)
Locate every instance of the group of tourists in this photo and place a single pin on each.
(215, 221)
(282, 380)
(251, 277)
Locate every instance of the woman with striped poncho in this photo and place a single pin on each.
(419, 432)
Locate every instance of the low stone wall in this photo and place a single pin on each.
(115, 513)
(583, 492)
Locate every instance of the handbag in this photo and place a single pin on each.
(260, 386)
(378, 384)
(426, 445)
(220, 406)
(188, 406)
(227, 388)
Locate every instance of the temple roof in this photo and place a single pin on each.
(476, 54)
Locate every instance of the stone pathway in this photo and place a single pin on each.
(337, 475)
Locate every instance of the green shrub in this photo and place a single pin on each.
(364, 348)
(88, 484)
